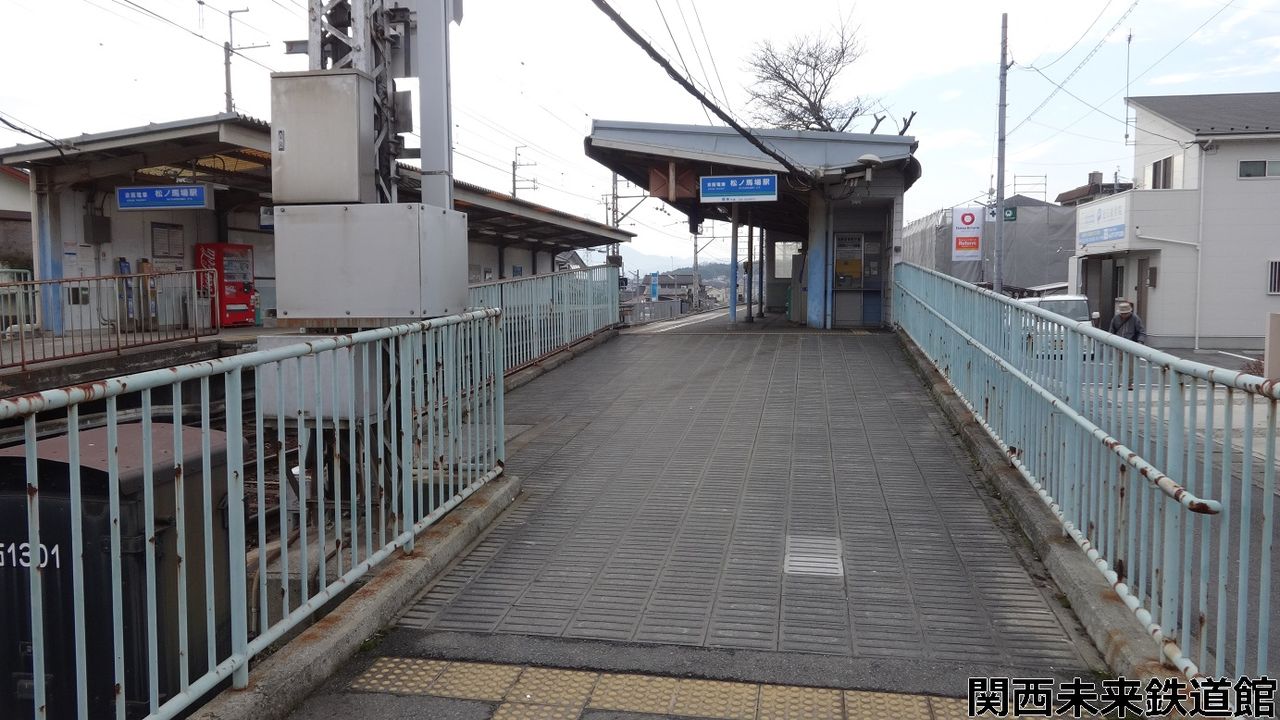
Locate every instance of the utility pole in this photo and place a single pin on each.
(515, 166)
(998, 284)
(228, 48)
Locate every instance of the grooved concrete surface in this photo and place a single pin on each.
(664, 474)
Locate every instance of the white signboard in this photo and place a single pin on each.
(1103, 221)
(966, 234)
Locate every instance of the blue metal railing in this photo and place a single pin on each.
(1162, 470)
(162, 529)
(543, 314)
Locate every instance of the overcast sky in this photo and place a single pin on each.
(535, 73)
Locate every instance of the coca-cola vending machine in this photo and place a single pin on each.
(233, 293)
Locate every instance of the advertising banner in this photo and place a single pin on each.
(966, 234)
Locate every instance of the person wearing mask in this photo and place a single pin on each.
(1128, 325)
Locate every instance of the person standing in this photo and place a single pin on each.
(1128, 325)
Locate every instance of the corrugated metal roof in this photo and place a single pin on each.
(820, 152)
(71, 145)
(1217, 114)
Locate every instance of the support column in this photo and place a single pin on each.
(733, 265)
(47, 244)
(761, 275)
(502, 262)
(817, 276)
(750, 264)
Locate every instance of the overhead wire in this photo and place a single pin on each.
(689, 87)
(157, 16)
(711, 55)
(1084, 34)
(234, 18)
(694, 44)
(679, 54)
(1149, 68)
(55, 143)
(1080, 66)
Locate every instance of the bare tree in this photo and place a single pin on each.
(793, 86)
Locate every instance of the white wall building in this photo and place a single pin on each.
(1196, 244)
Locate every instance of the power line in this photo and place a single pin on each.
(1100, 110)
(689, 87)
(1162, 58)
(153, 14)
(1087, 30)
(694, 44)
(1078, 68)
(679, 54)
(242, 21)
(1180, 43)
(57, 145)
(710, 55)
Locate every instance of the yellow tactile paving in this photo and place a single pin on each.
(529, 693)
(709, 699)
(874, 706)
(947, 709)
(779, 702)
(634, 693)
(553, 687)
(476, 681)
(522, 711)
(405, 676)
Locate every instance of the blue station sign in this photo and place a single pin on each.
(738, 188)
(162, 197)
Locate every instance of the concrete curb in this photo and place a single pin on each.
(527, 375)
(288, 677)
(1125, 646)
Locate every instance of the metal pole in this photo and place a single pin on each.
(733, 266)
(998, 285)
(760, 275)
(750, 265)
(697, 279)
(226, 66)
(226, 53)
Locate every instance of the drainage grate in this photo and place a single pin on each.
(813, 555)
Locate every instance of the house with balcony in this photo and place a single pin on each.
(1196, 243)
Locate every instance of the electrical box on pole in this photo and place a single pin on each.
(348, 254)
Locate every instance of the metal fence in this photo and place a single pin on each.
(162, 529)
(43, 320)
(652, 311)
(1163, 470)
(544, 314)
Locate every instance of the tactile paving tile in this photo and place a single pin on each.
(522, 711)
(946, 709)
(777, 701)
(553, 687)
(406, 676)
(875, 706)
(475, 681)
(634, 693)
(709, 699)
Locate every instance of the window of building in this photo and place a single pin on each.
(167, 241)
(1273, 277)
(1162, 174)
(783, 252)
(1259, 168)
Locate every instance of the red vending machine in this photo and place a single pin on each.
(233, 288)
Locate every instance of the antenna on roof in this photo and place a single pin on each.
(1128, 50)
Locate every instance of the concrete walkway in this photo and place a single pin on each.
(757, 507)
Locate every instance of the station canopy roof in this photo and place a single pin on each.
(233, 151)
(650, 154)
